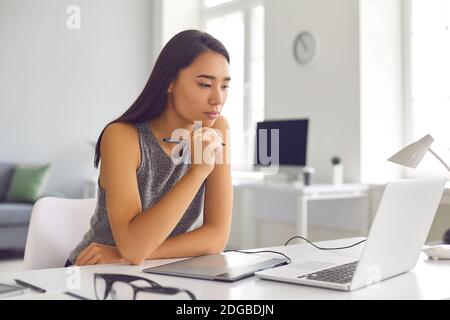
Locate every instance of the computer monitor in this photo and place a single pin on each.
(292, 136)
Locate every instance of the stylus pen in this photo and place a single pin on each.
(77, 296)
(29, 285)
(172, 140)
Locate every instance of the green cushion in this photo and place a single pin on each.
(27, 183)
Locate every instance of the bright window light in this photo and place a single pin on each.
(213, 3)
(430, 77)
(229, 29)
(245, 104)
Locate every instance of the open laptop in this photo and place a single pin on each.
(397, 235)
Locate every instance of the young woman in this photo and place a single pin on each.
(147, 201)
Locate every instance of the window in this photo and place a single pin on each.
(239, 25)
(213, 3)
(428, 90)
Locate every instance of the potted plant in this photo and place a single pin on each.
(338, 170)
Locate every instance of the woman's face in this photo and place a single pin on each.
(200, 90)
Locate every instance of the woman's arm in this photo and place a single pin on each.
(213, 235)
(138, 233)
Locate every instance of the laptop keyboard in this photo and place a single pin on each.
(339, 274)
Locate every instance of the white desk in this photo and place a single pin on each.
(257, 201)
(428, 280)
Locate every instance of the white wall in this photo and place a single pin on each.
(327, 90)
(352, 92)
(59, 87)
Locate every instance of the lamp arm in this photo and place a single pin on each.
(442, 161)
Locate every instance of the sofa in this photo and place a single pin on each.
(14, 216)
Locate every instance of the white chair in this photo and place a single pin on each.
(56, 226)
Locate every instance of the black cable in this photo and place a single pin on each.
(261, 251)
(337, 248)
(189, 293)
(296, 237)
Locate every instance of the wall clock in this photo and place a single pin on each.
(304, 47)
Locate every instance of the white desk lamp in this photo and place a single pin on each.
(410, 156)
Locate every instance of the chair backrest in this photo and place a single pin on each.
(56, 226)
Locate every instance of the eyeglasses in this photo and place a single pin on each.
(120, 287)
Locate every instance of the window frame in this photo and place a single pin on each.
(246, 7)
(407, 124)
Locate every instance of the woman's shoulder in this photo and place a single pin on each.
(119, 146)
(121, 132)
(120, 135)
(120, 128)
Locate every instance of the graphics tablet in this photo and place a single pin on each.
(7, 290)
(228, 266)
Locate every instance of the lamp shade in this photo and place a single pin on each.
(411, 155)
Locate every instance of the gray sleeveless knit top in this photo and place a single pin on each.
(156, 176)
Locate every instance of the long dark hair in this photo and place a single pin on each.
(177, 54)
